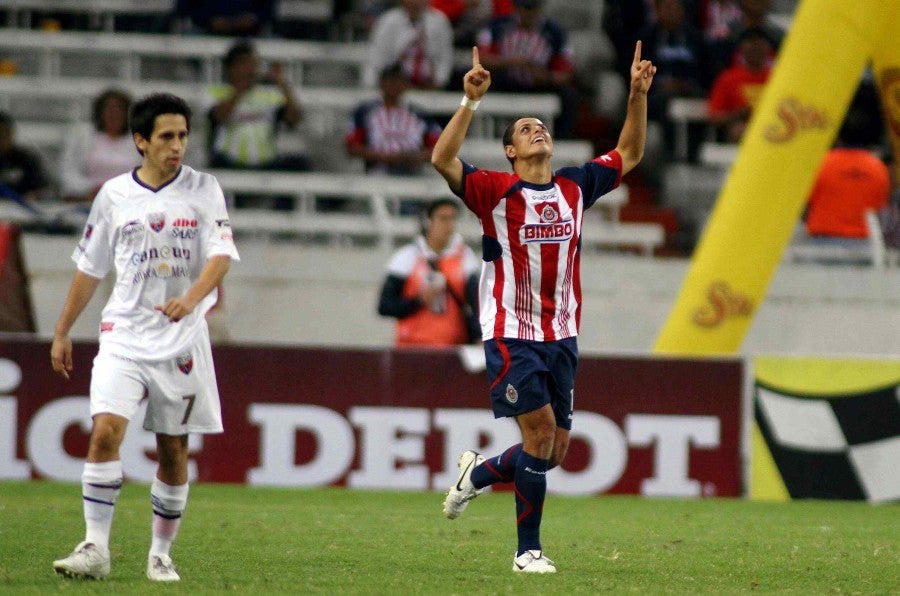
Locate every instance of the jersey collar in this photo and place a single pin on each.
(134, 177)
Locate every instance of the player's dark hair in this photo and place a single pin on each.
(97, 107)
(240, 49)
(507, 139)
(508, 135)
(7, 120)
(142, 117)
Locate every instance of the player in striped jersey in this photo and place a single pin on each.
(530, 290)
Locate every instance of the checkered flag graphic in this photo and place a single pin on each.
(835, 446)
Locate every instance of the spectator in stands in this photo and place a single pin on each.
(98, 151)
(418, 37)
(738, 88)
(22, 174)
(528, 52)
(246, 115)
(431, 286)
(390, 134)
(852, 179)
(755, 14)
(676, 47)
(237, 18)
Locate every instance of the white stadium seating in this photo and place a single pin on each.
(59, 73)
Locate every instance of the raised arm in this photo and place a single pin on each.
(633, 136)
(444, 156)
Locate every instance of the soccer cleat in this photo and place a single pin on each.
(463, 491)
(161, 569)
(85, 562)
(533, 561)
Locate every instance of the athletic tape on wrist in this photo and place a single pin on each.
(469, 104)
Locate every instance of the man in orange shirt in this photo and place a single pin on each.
(851, 180)
(432, 284)
(738, 88)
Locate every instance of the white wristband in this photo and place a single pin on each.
(469, 104)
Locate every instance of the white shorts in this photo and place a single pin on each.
(182, 395)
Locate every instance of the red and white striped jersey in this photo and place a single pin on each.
(530, 279)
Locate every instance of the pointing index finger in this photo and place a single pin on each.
(637, 52)
(475, 61)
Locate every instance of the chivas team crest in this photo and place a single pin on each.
(185, 363)
(549, 212)
(157, 221)
(512, 396)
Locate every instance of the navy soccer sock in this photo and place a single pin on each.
(501, 468)
(531, 487)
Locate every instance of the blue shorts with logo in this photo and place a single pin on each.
(527, 375)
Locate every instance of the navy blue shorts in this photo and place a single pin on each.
(527, 375)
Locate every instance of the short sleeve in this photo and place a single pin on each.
(219, 239)
(597, 177)
(94, 253)
(483, 189)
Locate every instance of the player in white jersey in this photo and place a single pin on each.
(164, 228)
(530, 291)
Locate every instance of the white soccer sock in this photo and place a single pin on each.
(168, 505)
(100, 487)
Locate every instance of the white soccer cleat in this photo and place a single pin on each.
(161, 569)
(86, 562)
(463, 491)
(533, 561)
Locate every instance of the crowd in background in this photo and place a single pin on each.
(718, 50)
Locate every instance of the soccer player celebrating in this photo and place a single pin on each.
(530, 291)
(165, 230)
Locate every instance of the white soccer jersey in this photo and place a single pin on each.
(158, 240)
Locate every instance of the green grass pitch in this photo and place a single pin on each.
(337, 541)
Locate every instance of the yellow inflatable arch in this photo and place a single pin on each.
(816, 74)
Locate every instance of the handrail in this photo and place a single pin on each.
(329, 101)
(378, 215)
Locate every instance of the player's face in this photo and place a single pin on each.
(164, 150)
(530, 137)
